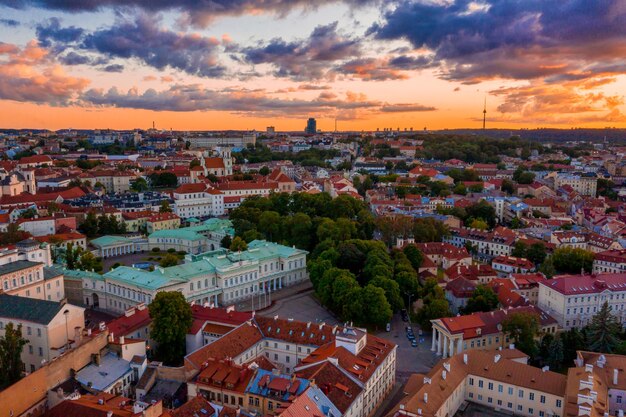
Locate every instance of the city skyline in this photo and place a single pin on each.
(366, 64)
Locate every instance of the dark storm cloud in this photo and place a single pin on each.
(50, 32)
(517, 39)
(199, 12)
(307, 58)
(142, 38)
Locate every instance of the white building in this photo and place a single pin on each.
(573, 300)
(198, 200)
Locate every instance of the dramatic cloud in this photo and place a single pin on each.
(517, 39)
(74, 58)
(114, 68)
(562, 103)
(185, 98)
(198, 12)
(142, 38)
(50, 32)
(305, 59)
(29, 75)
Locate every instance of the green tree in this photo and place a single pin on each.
(88, 262)
(392, 291)
(460, 189)
(90, 225)
(72, 256)
(375, 309)
(226, 242)
(508, 186)
(139, 185)
(547, 268)
(28, 213)
(479, 224)
(414, 256)
(522, 328)
(269, 225)
(194, 163)
(238, 244)
(572, 260)
(169, 260)
(520, 249)
(482, 210)
(11, 345)
(603, 331)
(555, 354)
(171, 319)
(265, 171)
(483, 299)
(165, 207)
(537, 253)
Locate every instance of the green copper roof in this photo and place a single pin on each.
(28, 309)
(139, 278)
(110, 240)
(183, 233)
(203, 264)
(78, 274)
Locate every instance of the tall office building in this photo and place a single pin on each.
(311, 126)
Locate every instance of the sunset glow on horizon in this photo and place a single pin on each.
(247, 64)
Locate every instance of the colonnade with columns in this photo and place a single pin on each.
(444, 344)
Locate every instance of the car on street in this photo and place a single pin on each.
(388, 328)
(414, 343)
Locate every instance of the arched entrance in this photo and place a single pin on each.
(96, 302)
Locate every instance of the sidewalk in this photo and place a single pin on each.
(261, 303)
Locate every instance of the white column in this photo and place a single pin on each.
(460, 347)
(439, 340)
(445, 347)
(451, 347)
(280, 283)
(215, 300)
(432, 348)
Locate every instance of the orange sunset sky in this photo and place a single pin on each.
(247, 64)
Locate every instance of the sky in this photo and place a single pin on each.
(366, 64)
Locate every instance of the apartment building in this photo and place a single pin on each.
(573, 300)
(505, 265)
(50, 327)
(480, 330)
(613, 261)
(485, 244)
(496, 379)
(113, 181)
(584, 184)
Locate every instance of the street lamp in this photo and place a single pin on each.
(67, 333)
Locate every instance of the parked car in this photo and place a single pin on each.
(414, 343)
(388, 327)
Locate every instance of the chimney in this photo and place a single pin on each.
(465, 358)
(426, 397)
(615, 371)
(443, 374)
(496, 358)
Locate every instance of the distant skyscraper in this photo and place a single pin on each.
(311, 126)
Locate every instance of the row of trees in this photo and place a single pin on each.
(302, 220)
(361, 282)
(77, 258)
(94, 225)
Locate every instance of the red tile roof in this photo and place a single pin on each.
(587, 284)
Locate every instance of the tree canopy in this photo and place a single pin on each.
(171, 319)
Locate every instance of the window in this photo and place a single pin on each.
(510, 390)
(520, 393)
(530, 410)
(520, 408)
(471, 395)
(542, 399)
(40, 351)
(490, 386)
(480, 383)
(531, 396)
(471, 381)
(558, 403)
(30, 349)
(29, 330)
(500, 388)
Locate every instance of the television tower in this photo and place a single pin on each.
(485, 113)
